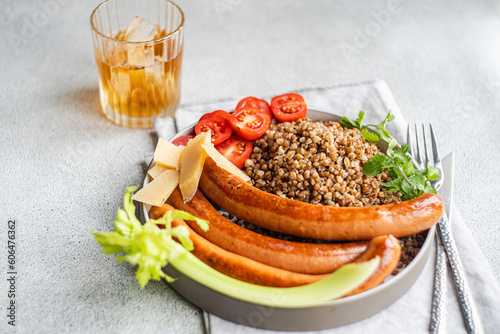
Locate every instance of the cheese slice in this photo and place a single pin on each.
(191, 165)
(224, 163)
(158, 191)
(156, 170)
(167, 154)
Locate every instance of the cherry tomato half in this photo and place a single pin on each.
(249, 122)
(255, 102)
(217, 123)
(182, 140)
(235, 149)
(221, 113)
(288, 107)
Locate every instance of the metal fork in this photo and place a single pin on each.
(446, 247)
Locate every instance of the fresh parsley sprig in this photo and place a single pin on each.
(406, 178)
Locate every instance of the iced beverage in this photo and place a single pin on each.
(139, 65)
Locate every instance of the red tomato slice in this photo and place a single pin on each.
(219, 125)
(221, 113)
(249, 122)
(236, 149)
(182, 140)
(288, 107)
(255, 102)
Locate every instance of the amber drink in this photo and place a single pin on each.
(139, 63)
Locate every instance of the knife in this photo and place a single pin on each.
(446, 194)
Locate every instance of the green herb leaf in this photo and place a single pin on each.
(418, 181)
(401, 153)
(397, 162)
(408, 168)
(359, 120)
(388, 118)
(431, 173)
(182, 234)
(112, 242)
(370, 136)
(377, 164)
(406, 188)
(187, 216)
(393, 185)
(429, 189)
(385, 135)
(348, 123)
(146, 245)
(126, 222)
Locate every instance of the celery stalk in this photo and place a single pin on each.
(152, 248)
(337, 284)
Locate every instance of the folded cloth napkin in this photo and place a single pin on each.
(411, 313)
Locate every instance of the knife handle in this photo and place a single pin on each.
(457, 271)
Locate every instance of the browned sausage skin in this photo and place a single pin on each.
(245, 269)
(317, 221)
(240, 267)
(389, 250)
(308, 258)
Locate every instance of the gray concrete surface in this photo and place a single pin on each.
(64, 168)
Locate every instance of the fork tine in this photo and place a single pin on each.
(436, 160)
(435, 153)
(408, 141)
(418, 157)
(425, 149)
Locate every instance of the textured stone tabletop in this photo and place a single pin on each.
(64, 167)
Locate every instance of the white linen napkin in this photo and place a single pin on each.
(411, 313)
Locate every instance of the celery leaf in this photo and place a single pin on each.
(147, 246)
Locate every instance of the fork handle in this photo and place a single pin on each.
(439, 288)
(457, 271)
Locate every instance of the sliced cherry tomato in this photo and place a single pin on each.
(182, 140)
(236, 149)
(221, 113)
(217, 123)
(288, 107)
(249, 122)
(255, 102)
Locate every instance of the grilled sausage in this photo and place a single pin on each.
(308, 258)
(389, 250)
(316, 221)
(240, 267)
(248, 270)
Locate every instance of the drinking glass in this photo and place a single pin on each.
(138, 50)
